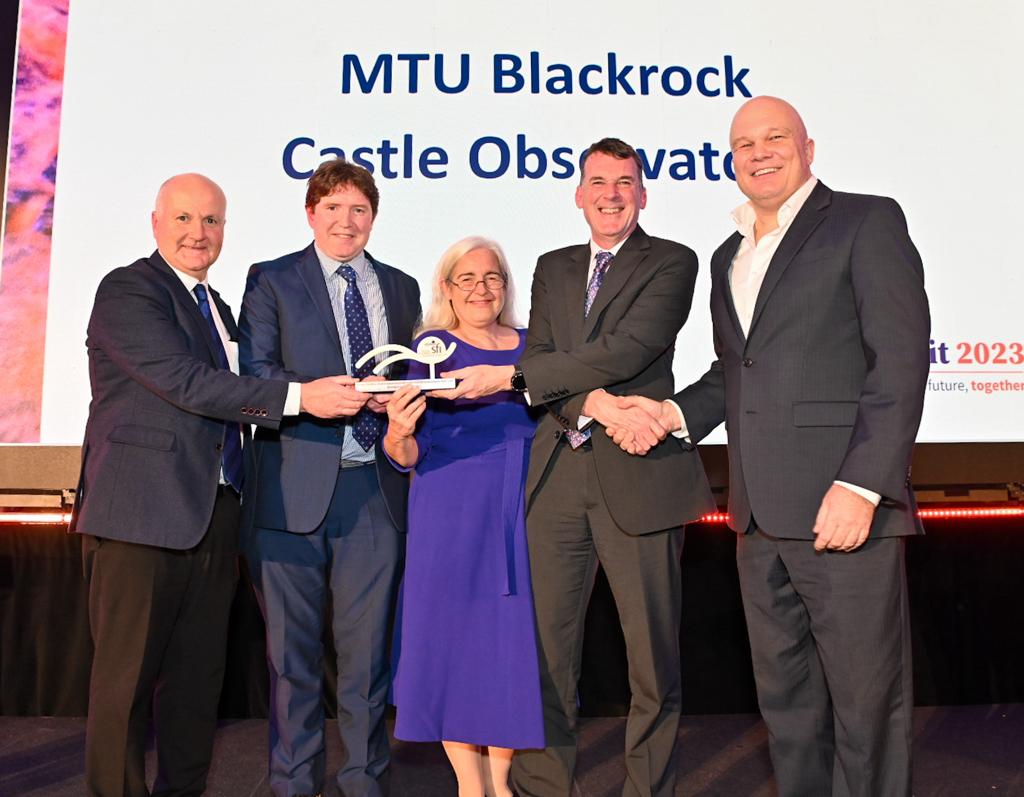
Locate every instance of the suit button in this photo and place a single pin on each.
(557, 435)
(219, 447)
(747, 362)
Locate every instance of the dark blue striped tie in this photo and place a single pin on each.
(231, 455)
(367, 423)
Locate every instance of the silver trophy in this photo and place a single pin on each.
(430, 352)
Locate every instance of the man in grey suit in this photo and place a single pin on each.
(821, 330)
(603, 322)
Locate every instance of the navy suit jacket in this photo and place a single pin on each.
(829, 383)
(152, 452)
(288, 331)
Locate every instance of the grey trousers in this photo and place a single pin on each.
(569, 531)
(830, 640)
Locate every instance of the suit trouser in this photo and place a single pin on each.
(830, 641)
(354, 560)
(569, 531)
(159, 621)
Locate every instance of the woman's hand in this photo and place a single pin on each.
(404, 410)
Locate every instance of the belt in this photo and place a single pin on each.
(227, 489)
(345, 464)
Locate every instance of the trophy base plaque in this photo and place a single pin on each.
(390, 386)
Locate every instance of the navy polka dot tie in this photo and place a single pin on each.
(231, 454)
(367, 423)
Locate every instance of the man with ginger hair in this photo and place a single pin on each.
(328, 511)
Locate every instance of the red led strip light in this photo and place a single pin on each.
(36, 518)
(949, 513)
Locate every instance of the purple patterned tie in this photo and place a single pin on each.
(601, 262)
(367, 423)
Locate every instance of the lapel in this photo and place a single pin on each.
(575, 290)
(812, 214)
(720, 277)
(312, 277)
(633, 251)
(197, 328)
(389, 291)
(225, 315)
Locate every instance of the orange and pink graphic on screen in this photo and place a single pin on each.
(28, 214)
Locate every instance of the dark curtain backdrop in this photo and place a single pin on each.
(966, 591)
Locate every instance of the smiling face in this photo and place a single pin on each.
(771, 153)
(480, 307)
(188, 223)
(611, 196)
(341, 222)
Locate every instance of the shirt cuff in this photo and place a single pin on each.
(293, 402)
(867, 495)
(682, 433)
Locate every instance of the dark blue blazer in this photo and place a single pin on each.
(152, 451)
(288, 331)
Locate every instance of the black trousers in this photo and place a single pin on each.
(159, 625)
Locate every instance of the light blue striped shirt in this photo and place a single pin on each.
(369, 289)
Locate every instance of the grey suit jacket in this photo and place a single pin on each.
(829, 383)
(152, 452)
(625, 346)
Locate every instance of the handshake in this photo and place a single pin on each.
(336, 397)
(636, 424)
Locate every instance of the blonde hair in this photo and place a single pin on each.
(440, 314)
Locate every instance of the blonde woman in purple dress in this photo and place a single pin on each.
(467, 672)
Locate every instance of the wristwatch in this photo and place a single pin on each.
(518, 381)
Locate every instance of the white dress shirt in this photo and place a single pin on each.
(746, 273)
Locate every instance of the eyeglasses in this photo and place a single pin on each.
(468, 282)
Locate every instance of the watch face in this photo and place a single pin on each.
(518, 381)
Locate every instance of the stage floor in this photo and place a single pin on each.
(960, 751)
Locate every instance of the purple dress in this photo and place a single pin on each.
(465, 640)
